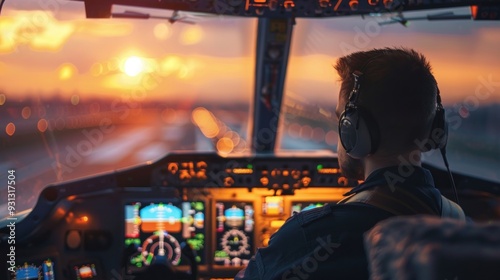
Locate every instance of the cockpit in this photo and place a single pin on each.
(172, 139)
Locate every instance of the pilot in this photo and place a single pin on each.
(389, 111)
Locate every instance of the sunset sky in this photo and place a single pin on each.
(46, 52)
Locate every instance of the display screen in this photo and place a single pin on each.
(235, 232)
(272, 205)
(40, 270)
(155, 232)
(298, 207)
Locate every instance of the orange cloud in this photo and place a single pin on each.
(37, 29)
(42, 32)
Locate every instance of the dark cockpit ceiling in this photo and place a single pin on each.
(292, 8)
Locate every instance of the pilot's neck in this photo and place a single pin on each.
(374, 162)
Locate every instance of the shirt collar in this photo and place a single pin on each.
(403, 175)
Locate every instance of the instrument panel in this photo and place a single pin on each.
(154, 230)
(120, 224)
(224, 230)
(234, 229)
(185, 212)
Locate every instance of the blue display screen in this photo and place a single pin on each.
(40, 270)
(235, 233)
(156, 230)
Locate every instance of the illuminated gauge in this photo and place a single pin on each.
(235, 243)
(199, 219)
(160, 244)
(27, 272)
(234, 217)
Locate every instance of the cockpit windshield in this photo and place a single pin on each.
(80, 97)
(465, 62)
(83, 96)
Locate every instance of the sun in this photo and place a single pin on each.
(133, 66)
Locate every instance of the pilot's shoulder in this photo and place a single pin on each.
(306, 217)
(338, 215)
(294, 226)
(339, 212)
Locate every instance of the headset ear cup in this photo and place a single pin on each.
(358, 132)
(347, 129)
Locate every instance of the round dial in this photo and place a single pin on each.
(235, 243)
(160, 244)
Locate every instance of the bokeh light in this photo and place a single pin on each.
(192, 35)
(75, 99)
(235, 137)
(162, 31)
(206, 122)
(170, 64)
(66, 71)
(42, 125)
(225, 145)
(26, 112)
(331, 138)
(97, 69)
(10, 129)
(306, 132)
(294, 130)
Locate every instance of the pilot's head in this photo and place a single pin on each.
(396, 100)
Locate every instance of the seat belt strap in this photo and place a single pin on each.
(401, 202)
(397, 202)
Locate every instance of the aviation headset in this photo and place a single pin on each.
(359, 132)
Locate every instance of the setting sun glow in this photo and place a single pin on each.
(133, 66)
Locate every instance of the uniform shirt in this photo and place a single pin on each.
(327, 242)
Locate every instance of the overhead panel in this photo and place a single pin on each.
(287, 8)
